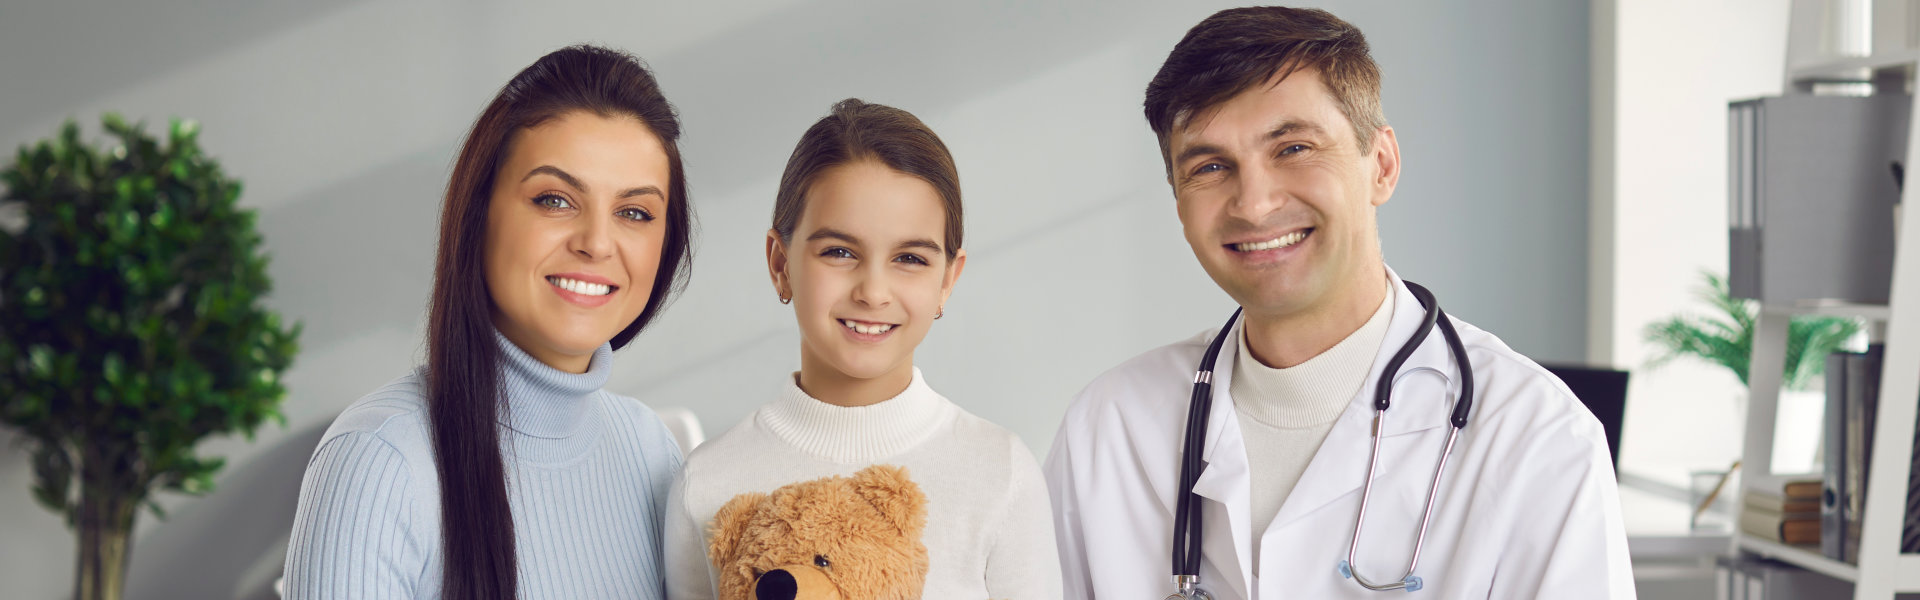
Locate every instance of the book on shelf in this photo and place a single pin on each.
(1779, 504)
(1801, 489)
(1789, 516)
(1804, 531)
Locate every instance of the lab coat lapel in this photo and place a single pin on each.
(1225, 481)
(1421, 401)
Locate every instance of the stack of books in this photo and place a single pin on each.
(1789, 516)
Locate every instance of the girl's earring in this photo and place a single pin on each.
(940, 313)
(785, 300)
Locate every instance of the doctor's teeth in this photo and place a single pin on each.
(866, 329)
(1279, 242)
(581, 287)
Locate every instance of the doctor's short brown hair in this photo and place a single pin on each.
(1239, 48)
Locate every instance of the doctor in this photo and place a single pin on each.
(1278, 155)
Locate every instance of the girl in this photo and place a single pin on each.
(501, 469)
(865, 245)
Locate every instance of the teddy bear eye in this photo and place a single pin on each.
(821, 561)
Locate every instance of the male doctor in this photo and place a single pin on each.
(1270, 125)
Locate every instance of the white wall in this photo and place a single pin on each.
(342, 117)
(1675, 65)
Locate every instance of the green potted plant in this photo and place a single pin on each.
(1726, 338)
(130, 292)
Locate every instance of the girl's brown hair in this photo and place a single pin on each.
(858, 130)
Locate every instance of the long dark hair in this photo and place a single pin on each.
(464, 401)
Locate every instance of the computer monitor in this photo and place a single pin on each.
(1604, 391)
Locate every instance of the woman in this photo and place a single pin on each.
(866, 247)
(501, 469)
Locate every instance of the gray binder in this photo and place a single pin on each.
(1853, 392)
(1811, 191)
(1833, 522)
(1863, 400)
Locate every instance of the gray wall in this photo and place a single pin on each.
(343, 117)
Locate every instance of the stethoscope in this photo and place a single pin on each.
(1187, 521)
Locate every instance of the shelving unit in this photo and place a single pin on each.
(1847, 68)
(1882, 570)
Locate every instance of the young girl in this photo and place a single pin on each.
(501, 469)
(865, 245)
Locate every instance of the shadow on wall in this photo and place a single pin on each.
(232, 543)
(99, 67)
(357, 256)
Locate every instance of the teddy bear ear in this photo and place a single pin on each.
(889, 489)
(729, 525)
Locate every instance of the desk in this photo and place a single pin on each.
(1670, 560)
(1657, 528)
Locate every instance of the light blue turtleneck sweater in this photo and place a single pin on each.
(587, 475)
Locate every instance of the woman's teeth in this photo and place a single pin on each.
(1279, 242)
(581, 287)
(874, 329)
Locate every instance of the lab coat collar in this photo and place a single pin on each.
(1225, 478)
(1340, 466)
(1418, 404)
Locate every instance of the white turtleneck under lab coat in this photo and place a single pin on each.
(1286, 413)
(989, 526)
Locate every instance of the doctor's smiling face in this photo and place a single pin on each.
(574, 234)
(1277, 195)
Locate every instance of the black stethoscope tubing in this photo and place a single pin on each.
(1187, 519)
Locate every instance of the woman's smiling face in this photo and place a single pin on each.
(574, 234)
(867, 269)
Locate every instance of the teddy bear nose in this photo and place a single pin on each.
(777, 584)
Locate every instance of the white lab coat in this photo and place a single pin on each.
(1527, 508)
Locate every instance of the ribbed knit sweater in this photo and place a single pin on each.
(588, 473)
(989, 527)
(1285, 414)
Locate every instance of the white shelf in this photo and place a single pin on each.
(1809, 559)
(1882, 570)
(1907, 576)
(1828, 308)
(1906, 572)
(1849, 68)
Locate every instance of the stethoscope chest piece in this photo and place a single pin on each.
(1188, 588)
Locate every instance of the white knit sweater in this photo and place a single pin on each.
(989, 529)
(1286, 413)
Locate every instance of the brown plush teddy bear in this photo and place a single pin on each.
(841, 538)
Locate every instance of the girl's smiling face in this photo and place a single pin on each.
(867, 270)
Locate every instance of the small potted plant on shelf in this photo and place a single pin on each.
(1726, 338)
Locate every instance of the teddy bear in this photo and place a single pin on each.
(839, 538)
